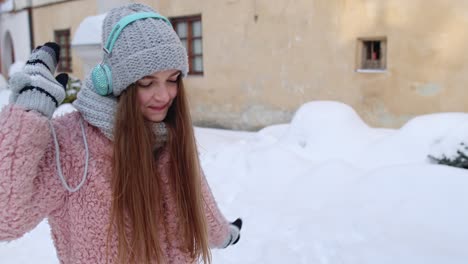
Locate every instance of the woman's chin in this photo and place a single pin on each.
(155, 117)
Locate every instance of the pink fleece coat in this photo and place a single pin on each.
(30, 189)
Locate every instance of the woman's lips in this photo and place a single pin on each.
(158, 108)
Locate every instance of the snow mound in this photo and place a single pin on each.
(4, 98)
(326, 130)
(274, 132)
(382, 204)
(64, 109)
(89, 31)
(414, 141)
(3, 83)
(454, 133)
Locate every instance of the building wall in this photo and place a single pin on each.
(106, 5)
(17, 25)
(264, 58)
(20, 4)
(60, 16)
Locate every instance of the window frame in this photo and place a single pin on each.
(365, 64)
(190, 20)
(68, 57)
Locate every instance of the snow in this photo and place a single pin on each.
(89, 31)
(4, 97)
(449, 144)
(3, 83)
(7, 6)
(326, 188)
(64, 109)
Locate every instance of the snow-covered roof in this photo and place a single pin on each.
(89, 31)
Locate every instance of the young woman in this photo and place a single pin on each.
(119, 180)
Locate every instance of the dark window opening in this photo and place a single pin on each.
(373, 55)
(373, 50)
(62, 37)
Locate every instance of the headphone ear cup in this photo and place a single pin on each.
(101, 77)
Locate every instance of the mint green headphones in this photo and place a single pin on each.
(101, 75)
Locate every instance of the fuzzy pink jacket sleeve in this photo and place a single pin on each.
(218, 226)
(29, 185)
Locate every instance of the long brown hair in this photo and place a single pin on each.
(136, 186)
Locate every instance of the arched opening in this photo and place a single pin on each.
(8, 57)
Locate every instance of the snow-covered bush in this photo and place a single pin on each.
(452, 149)
(457, 159)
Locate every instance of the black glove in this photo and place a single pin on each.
(35, 88)
(234, 228)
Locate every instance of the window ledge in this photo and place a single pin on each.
(370, 71)
(194, 76)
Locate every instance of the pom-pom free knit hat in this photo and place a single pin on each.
(143, 47)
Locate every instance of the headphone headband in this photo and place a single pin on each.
(125, 21)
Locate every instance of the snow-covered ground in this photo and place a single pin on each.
(326, 188)
(3, 82)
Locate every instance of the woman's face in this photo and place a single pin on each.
(156, 92)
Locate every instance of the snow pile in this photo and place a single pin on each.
(327, 188)
(328, 130)
(89, 31)
(4, 97)
(333, 190)
(64, 109)
(3, 83)
(452, 147)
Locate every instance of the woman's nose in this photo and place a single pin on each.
(161, 93)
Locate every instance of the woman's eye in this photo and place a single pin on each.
(172, 81)
(142, 84)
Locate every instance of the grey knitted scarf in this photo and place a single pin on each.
(100, 111)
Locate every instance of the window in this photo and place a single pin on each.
(373, 54)
(189, 30)
(62, 37)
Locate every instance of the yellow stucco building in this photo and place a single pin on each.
(254, 62)
(54, 19)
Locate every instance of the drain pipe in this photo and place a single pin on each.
(31, 25)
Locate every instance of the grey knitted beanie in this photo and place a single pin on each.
(142, 48)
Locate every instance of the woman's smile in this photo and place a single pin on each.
(158, 108)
